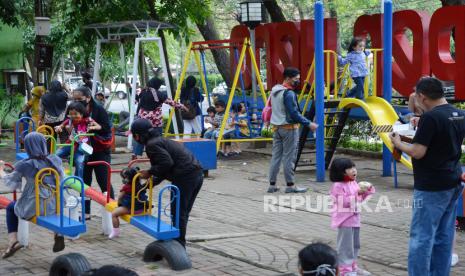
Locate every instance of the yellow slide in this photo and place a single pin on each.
(380, 112)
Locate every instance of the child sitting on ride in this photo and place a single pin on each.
(25, 172)
(242, 121)
(208, 121)
(78, 123)
(220, 106)
(125, 196)
(356, 57)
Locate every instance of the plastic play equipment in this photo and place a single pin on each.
(164, 232)
(28, 126)
(327, 106)
(58, 223)
(71, 263)
(381, 113)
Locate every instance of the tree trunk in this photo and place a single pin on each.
(452, 2)
(446, 3)
(154, 16)
(300, 10)
(209, 32)
(30, 60)
(275, 11)
(333, 14)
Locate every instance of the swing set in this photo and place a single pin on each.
(253, 114)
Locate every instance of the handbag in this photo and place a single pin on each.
(191, 111)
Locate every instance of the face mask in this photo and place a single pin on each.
(296, 83)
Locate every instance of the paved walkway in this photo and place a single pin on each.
(231, 234)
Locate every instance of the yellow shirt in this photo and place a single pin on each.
(34, 102)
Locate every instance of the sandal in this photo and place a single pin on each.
(59, 244)
(10, 251)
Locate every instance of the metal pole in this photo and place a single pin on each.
(254, 79)
(62, 69)
(319, 91)
(133, 88)
(167, 82)
(387, 75)
(125, 70)
(96, 66)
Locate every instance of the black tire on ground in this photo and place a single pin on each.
(172, 251)
(72, 264)
(121, 95)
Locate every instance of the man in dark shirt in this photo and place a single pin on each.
(435, 152)
(172, 161)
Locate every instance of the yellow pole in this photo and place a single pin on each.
(307, 79)
(38, 181)
(178, 89)
(327, 73)
(231, 94)
(257, 73)
(375, 71)
(312, 88)
(202, 76)
(367, 79)
(336, 87)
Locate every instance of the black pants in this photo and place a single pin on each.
(101, 173)
(188, 190)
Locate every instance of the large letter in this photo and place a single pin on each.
(410, 63)
(371, 25)
(443, 65)
(286, 46)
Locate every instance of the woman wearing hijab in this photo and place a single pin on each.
(150, 103)
(191, 98)
(33, 104)
(24, 207)
(52, 108)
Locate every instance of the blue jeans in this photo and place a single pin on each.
(79, 158)
(210, 134)
(432, 232)
(357, 91)
(138, 148)
(12, 220)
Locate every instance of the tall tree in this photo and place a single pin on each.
(274, 10)
(209, 32)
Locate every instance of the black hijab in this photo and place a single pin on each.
(55, 100)
(147, 100)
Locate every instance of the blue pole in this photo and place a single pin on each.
(387, 74)
(202, 55)
(319, 95)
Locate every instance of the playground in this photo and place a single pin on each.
(236, 227)
(229, 232)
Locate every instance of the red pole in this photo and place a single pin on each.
(106, 164)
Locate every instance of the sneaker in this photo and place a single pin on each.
(272, 189)
(294, 189)
(362, 272)
(454, 260)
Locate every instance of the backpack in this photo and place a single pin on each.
(266, 112)
(191, 112)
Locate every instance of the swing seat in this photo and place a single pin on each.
(70, 228)
(149, 225)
